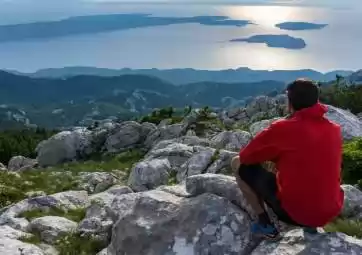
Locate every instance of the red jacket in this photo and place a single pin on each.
(307, 151)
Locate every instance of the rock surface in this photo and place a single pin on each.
(15, 247)
(96, 182)
(231, 140)
(2, 167)
(156, 222)
(297, 242)
(352, 207)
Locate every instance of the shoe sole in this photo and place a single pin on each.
(269, 238)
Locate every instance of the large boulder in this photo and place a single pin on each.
(197, 164)
(156, 222)
(51, 228)
(176, 153)
(297, 242)
(149, 174)
(259, 126)
(20, 163)
(231, 140)
(220, 185)
(127, 135)
(165, 133)
(64, 146)
(350, 124)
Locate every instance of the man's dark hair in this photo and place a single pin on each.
(302, 93)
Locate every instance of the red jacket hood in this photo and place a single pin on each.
(316, 111)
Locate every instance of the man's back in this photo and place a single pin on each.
(309, 165)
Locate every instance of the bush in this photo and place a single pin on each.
(21, 142)
(352, 162)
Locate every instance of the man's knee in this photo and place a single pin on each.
(235, 164)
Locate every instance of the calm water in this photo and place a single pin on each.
(188, 45)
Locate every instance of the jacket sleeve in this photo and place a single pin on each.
(264, 147)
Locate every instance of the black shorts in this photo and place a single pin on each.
(264, 184)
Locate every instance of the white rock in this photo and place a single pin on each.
(149, 174)
(2, 167)
(52, 227)
(126, 136)
(352, 206)
(231, 140)
(259, 126)
(8, 232)
(64, 146)
(48, 249)
(20, 163)
(350, 124)
(15, 247)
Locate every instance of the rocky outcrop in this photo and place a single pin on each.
(156, 222)
(64, 146)
(298, 242)
(51, 228)
(20, 163)
(231, 140)
(165, 133)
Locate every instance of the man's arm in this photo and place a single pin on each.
(264, 147)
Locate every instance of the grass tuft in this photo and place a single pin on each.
(347, 226)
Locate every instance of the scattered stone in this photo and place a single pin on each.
(149, 174)
(51, 228)
(231, 140)
(2, 167)
(95, 182)
(20, 163)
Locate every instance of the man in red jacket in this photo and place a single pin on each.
(307, 151)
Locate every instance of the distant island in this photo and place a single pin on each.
(300, 26)
(275, 41)
(104, 23)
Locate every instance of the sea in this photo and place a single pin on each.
(335, 47)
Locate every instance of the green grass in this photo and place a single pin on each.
(33, 239)
(347, 226)
(172, 179)
(74, 244)
(75, 215)
(13, 187)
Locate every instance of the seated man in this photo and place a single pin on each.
(307, 151)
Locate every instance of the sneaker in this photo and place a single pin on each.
(268, 231)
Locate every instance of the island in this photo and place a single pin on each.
(104, 23)
(300, 26)
(275, 41)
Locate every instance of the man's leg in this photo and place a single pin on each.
(250, 196)
(248, 183)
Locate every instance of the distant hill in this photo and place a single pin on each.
(188, 75)
(79, 100)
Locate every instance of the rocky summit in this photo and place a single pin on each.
(163, 189)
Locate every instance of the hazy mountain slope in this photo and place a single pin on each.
(188, 75)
